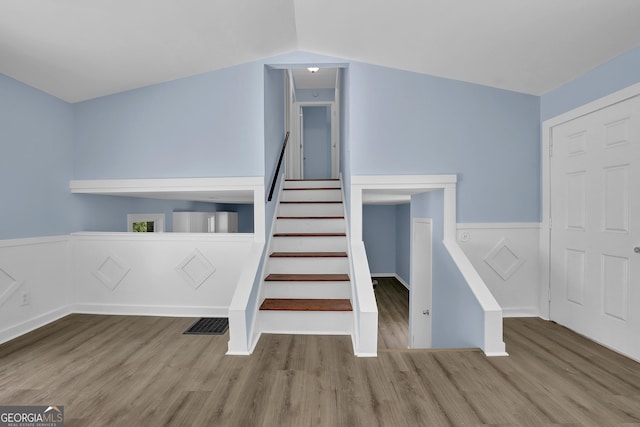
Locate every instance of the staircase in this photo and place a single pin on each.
(307, 289)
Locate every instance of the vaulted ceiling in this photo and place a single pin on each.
(82, 49)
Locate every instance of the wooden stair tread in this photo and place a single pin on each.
(309, 235)
(311, 217)
(276, 277)
(310, 201)
(303, 304)
(309, 255)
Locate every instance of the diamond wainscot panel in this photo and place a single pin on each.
(503, 259)
(195, 269)
(111, 272)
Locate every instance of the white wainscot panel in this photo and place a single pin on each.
(162, 274)
(506, 255)
(34, 284)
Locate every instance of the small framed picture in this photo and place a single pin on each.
(145, 223)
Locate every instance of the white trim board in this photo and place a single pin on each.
(29, 241)
(150, 310)
(547, 126)
(497, 225)
(34, 323)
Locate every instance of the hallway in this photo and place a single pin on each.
(393, 313)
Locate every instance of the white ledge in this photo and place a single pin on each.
(141, 237)
(424, 181)
(95, 186)
(219, 190)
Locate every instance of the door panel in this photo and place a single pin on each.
(317, 142)
(595, 225)
(420, 293)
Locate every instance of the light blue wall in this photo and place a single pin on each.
(36, 161)
(610, 77)
(409, 123)
(317, 142)
(403, 242)
(273, 135)
(386, 232)
(458, 319)
(109, 213)
(379, 237)
(207, 125)
(245, 215)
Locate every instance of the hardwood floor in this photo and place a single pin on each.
(393, 313)
(141, 371)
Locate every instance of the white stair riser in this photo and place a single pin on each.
(309, 265)
(316, 290)
(310, 209)
(312, 184)
(309, 244)
(306, 195)
(323, 225)
(306, 322)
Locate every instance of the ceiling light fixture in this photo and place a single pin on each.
(313, 70)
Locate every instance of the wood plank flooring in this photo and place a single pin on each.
(141, 371)
(393, 313)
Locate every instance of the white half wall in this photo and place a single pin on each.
(506, 256)
(34, 284)
(163, 274)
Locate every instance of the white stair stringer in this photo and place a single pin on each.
(309, 237)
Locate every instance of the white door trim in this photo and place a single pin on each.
(547, 126)
(335, 132)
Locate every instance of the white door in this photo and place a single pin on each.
(595, 226)
(420, 293)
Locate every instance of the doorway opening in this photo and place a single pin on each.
(399, 255)
(313, 112)
(315, 140)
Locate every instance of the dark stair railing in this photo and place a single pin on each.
(275, 175)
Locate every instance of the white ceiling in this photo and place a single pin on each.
(324, 78)
(81, 49)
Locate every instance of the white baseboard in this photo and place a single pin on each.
(405, 284)
(126, 310)
(146, 310)
(496, 354)
(520, 312)
(33, 324)
(367, 354)
(237, 353)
